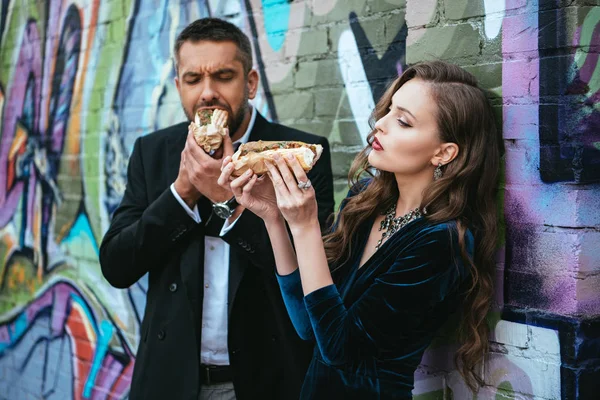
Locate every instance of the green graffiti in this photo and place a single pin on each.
(505, 391)
(436, 395)
(588, 28)
(110, 56)
(11, 43)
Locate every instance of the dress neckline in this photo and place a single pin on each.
(383, 246)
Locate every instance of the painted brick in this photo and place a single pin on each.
(588, 198)
(448, 42)
(491, 393)
(589, 256)
(488, 74)
(281, 77)
(512, 334)
(521, 121)
(522, 31)
(340, 162)
(554, 253)
(491, 51)
(545, 344)
(340, 12)
(375, 31)
(296, 105)
(523, 76)
(542, 375)
(588, 302)
(421, 12)
(117, 30)
(379, 6)
(552, 23)
(456, 10)
(522, 162)
(334, 34)
(318, 127)
(346, 132)
(393, 24)
(529, 290)
(553, 205)
(312, 43)
(551, 261)
(332, 103)
(321, 73)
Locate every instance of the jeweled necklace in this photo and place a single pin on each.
(391, 225)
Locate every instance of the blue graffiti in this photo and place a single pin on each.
(277, 18)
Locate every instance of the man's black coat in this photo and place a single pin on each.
(151, 233)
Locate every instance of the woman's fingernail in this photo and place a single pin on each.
(290, 156)
(249, 172)
(276, 157)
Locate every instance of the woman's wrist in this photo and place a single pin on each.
(274, 221)
(305, 227)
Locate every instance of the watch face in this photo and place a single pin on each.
(222, 210)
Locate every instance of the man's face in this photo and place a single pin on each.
(211, 75)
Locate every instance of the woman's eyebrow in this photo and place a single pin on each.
(406, 111)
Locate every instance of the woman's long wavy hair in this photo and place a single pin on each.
(466, 193)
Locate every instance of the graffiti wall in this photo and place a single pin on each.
(80, 80)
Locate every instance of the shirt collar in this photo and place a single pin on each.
(244, 139)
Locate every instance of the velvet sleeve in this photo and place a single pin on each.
(395, 306)
(291, 291)
(291, 286)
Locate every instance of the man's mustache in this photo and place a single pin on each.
(212, 105)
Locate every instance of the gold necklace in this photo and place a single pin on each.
(391, 225)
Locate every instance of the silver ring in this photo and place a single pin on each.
(305, 185)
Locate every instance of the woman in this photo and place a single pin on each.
(410, 244)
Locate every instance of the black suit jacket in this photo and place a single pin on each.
(151, 233)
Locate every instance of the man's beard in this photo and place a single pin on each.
(234, 121)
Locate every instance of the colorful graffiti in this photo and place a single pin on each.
(569, 108)
(80, 81)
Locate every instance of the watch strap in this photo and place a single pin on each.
(232, 203)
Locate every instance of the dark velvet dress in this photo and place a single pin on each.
(372, 326)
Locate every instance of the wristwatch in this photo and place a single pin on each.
(225, 209)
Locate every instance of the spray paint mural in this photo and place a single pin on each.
(81, 80)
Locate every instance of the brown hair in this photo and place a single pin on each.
(466, 193)
(215, 30)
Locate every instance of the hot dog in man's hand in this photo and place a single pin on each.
(209, 128)
(252, 155)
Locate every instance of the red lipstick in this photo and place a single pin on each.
(376, 145)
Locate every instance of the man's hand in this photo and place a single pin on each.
(184, 187)
(199, 172)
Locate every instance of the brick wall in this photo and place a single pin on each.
(80, 80)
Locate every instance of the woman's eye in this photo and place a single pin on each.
(403, 123)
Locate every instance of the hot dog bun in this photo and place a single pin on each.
(209, 127)
(252, 155)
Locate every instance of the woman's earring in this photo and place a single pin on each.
(437, 173)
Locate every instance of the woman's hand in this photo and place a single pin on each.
(251, 192)
(297, 205)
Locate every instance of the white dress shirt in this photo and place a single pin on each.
(213, 346)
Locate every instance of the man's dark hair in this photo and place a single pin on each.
(215, 30)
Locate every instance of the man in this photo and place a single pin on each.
(214, 322)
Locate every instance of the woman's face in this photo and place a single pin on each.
(407, 137)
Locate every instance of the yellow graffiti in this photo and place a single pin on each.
(21, 278)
